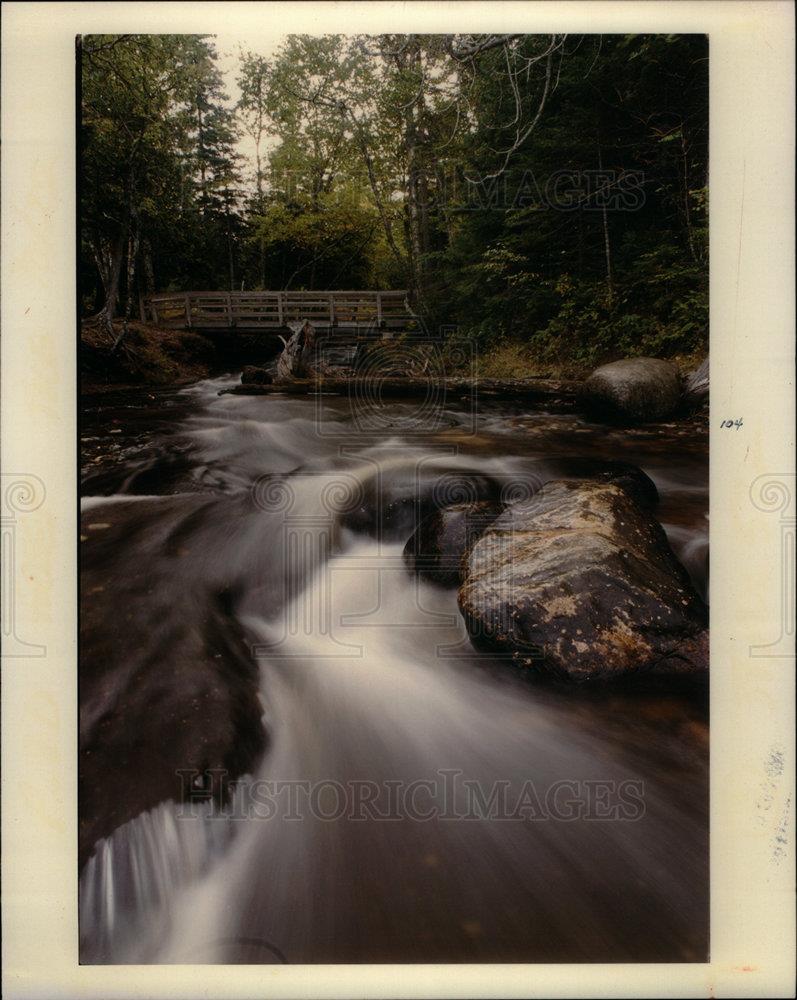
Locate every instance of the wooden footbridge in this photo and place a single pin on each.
(344, 311)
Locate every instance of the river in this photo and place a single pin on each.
(435, 805)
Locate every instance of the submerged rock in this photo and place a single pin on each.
(436, 548)
(394, 502)
(253, 375)
(634, 389)
(580, 581)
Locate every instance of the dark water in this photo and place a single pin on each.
(504, 820)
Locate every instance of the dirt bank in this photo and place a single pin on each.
(146, 354)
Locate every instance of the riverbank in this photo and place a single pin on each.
(509, 359)
(557, 394)
(146, 355)
(150, 355)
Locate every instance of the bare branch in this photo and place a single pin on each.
(469, 50)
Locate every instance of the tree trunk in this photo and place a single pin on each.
(687, 213)
(99, 297)
(103, 262)
(607, 246)
(262, 240)
(230, 256)
(417, 185)
(293, 362)
(112, 293)
(132, 255)
(147, 267)
(201, 153)
(117, 256)
(380, 207)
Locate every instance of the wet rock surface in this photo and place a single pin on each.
(634, 389)
(393, 504)
(581, 582)
(575, 468)
(436, 549)
(121, 430)
(252, 375)
(166, 681)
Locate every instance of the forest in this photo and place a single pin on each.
(543, 197)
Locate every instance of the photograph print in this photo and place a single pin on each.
(393, 545)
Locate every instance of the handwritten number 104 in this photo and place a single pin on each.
(737, 423)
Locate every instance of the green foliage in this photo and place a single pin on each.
(544, 195)
(533, 268)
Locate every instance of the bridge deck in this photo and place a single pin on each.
(350, 310)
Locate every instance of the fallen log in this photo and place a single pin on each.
(553, 391)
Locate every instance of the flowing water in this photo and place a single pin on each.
(417, 801)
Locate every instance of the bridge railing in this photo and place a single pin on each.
(274, 310)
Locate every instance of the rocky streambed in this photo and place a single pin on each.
(340, 589)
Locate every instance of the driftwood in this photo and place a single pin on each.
(293, 362)
(696, 390)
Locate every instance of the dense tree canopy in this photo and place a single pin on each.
(546, 189)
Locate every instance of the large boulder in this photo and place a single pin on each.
(634, 389)
(581, 582)
(576, 467)
(436, 548)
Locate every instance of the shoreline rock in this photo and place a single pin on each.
(580, 581)
(634, 389)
